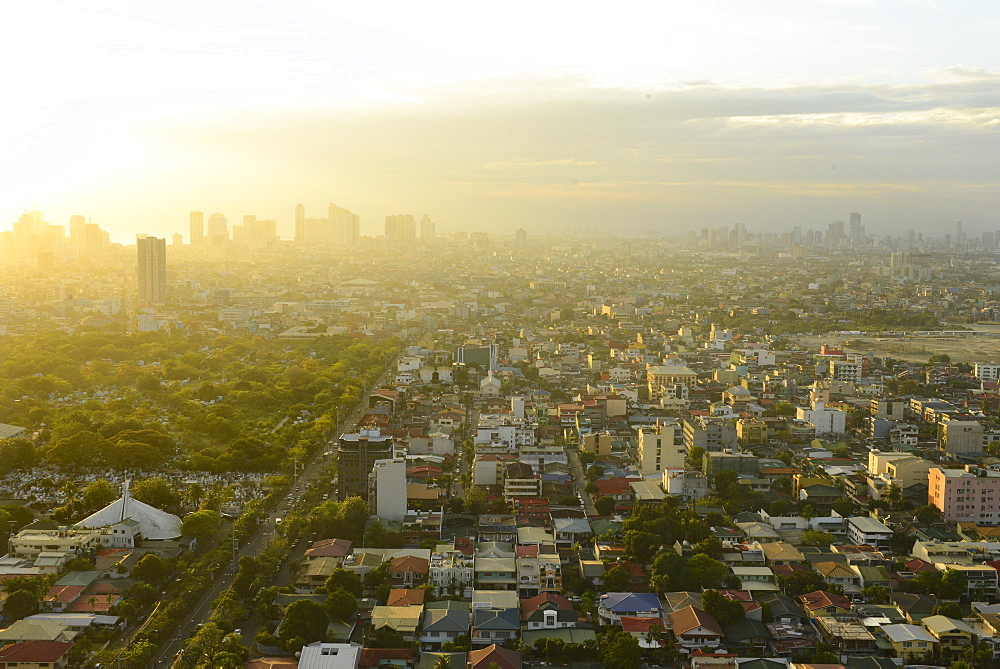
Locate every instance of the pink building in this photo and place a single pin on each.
(965, 495)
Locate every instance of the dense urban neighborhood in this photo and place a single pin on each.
(729, 450)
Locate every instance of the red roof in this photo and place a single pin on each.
(34, 651)
(526, 551)
(505, 659)
(641, 623)
(613, 486)
(101, 604)
(330, 548)
(409, 563)
(405, 597)
(821, 599)
(916, 565)
(532, 604)
(376, 657)
(63, 593)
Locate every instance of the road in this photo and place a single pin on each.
(581, 481)
(203, 610)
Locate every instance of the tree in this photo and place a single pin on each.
(725, 478)
(20, 604)
(816, 538)
(620, 650)
(641, 546)
(893, 496)
(928, 514)
(202, 525)
(616, 579)
(591, 488)
(151, 569)
(442, 663)
(344, 579)
(340, 604)
(605, 506)
(708, 572)
(726, 611)
(800, 582)
(696, 455)
(99, 494)
(305, 622)
(844, 507)
(876, 594)
(953, 584)
(157, 491)
(949, 609)
(594, 472)
(710, 546)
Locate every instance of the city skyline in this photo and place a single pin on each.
(649, 118)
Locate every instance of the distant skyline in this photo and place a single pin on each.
(543, 116)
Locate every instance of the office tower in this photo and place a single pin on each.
(300, 223)
(345, 226)
(426, 228)
(400, 228)
(152, 271)
(178, 239)
(77, 226)
(197, 234)
(835, 232)
(857, 231)
(356, 457)
(218, 230)
(520, 238)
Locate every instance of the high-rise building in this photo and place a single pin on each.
(197, 234)
(300, 222)
(400, 228)
(426, 228)
(77, 227)
(520, 238)
(345, 226)
(152, 270)
(356, 457)
(218, 230)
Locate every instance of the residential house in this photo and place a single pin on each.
(442, 624)
(404, 620)
(847, 634)
(408, 571)
(694, 629)
(613, 605)
(749, 637)
(494, 625)
(913, 607)
(781, 553)
(953, 636)
(821, 604)
(35, 655)
(866, 530)
(909, 641)
(648, 631)
(548, 611)
(486, 658)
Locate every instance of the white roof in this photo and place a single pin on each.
(322, 655)
(154, 524)
(900, 633)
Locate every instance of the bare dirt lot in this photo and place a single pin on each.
(983, 347)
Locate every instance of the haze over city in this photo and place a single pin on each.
(568, 116)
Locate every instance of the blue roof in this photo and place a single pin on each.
(627, 602)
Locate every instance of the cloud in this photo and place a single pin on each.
(496, 155)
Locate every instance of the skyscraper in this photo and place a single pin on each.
(427, 231)
(218, 230)
(300, 223)
(400, 228)
(152, 271)
(197, 235)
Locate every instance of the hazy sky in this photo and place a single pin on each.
(621, 116)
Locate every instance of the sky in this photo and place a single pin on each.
(627, 117)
